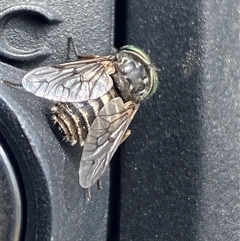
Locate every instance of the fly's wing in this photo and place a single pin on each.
(104, 137)
(71, 82)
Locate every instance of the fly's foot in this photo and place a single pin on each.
(99, 185)
(126, 135)
(88, 194)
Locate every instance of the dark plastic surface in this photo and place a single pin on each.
(10, 199)
(54, 203)
(178, 178)
(7, 14)
(180, 167)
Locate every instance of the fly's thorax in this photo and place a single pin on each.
(135, 77)
(75, 119)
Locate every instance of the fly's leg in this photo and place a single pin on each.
(71, 42)
(85, 57)
(88, 194)
(126, 135)
(99, 185)
(11, 84)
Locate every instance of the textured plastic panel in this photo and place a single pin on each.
(36, 34)
(10, 199)
(178, 178)
(180, 167)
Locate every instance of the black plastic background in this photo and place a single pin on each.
(178, 178)
(55, 207)
(180, 167)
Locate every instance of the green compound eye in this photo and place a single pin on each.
(154, 80)
(138, 51)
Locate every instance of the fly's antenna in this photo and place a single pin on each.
(151, 65)
(154, 67)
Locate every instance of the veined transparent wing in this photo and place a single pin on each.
(71, 82)
(104, 137)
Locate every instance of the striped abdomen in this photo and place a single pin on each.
(75, 119)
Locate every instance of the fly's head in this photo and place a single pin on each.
(135, 77)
